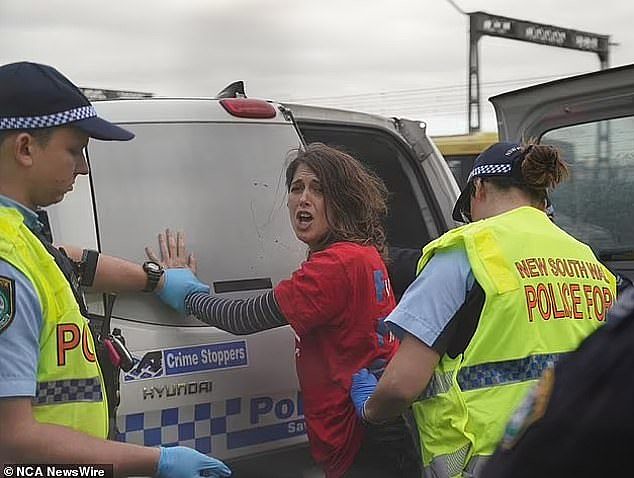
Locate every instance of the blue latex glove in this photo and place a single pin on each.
(184, 462)
(363, 385)
(178, 284)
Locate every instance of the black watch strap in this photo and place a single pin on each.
(153, 271)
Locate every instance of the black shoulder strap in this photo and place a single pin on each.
(69, 269)
(459, 332)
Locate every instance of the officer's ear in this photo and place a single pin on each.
(23, 148)
(479, 188)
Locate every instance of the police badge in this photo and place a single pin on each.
(7, 302)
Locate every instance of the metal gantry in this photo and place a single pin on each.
(482, 23)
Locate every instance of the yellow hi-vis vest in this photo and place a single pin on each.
(70, 389)
(544, 293)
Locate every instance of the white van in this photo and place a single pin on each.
(215, 169)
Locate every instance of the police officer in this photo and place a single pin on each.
(494, 304)
(53, 408)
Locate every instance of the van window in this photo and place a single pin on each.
(460, 167)
(222, 183)
(595, 204)
(405, 226)
(461, 150)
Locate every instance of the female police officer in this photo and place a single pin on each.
(495, 302)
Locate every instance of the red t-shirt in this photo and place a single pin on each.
(334, 303)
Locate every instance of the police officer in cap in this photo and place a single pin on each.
(495, 303)
(53, 406)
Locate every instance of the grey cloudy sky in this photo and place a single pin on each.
(348, 53)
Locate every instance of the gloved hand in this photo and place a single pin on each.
(178, 284)
(184, 462)
(363, 385)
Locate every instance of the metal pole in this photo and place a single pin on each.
(473, 95)
(604, 148)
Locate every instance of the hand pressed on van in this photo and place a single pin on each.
(179, 279)
(173, 251)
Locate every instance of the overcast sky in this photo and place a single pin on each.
(349, 53)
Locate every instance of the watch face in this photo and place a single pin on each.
(154, 272)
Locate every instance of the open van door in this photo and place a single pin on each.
(590, 118)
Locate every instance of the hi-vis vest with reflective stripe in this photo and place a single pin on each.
(70, 389)
(545, 292)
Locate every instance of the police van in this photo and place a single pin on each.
(214, 168)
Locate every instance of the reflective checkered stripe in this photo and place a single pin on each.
(219, 428)
(67, 391)
(492, 374)
(502, 373)
(47, 121)
(489, 170)
(453, 465)
(439, 383)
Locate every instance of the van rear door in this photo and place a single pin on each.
(220, 178)
(590, 118)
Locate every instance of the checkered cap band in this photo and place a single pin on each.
(65, 391)
(489, 170)
(47, 121)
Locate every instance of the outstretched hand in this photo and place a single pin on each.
(179, 279)
(184, 462)
(173, 251)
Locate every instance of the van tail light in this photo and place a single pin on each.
(248, 108)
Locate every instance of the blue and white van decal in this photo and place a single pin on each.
(218, 427)
(186, 360)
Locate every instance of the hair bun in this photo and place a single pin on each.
(543, 166)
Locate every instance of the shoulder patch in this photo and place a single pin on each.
(7, 302)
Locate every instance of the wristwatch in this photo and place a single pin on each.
(154, 271)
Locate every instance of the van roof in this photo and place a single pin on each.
(160, 109)
(166, 110)
(465, 144)
(324, 115)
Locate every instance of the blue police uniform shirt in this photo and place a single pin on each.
(430, 302)
(20, 341)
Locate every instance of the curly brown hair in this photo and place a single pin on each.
(355, 197)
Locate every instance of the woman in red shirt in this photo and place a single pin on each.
(335, 304)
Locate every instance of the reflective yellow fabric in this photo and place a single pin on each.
(70, 389)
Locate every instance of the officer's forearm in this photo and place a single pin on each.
(384, 406)
(404, 379)
(63, 445)
(56, 444)
(112, 273)
(23, 440)
(118, 275)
